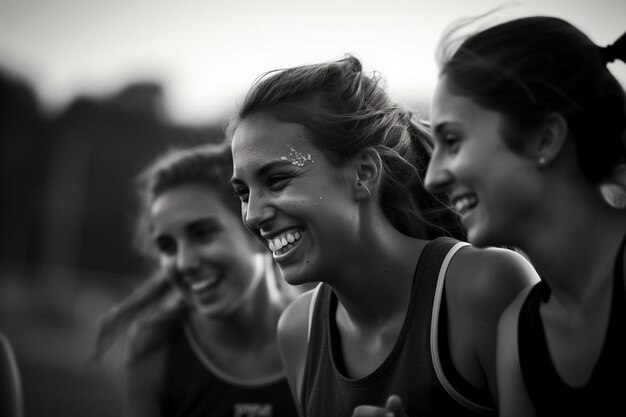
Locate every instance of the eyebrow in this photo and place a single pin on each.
(265, 169)
(203, 221)
(436, 129)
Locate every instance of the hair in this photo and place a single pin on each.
(156, 300)
(531, 67)
(347, 111)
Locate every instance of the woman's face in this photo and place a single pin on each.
(492, 187)
(204, 246)
(298, 203)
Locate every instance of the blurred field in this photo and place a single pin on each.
(51, 322)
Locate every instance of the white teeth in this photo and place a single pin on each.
(198, 286)
(464, 203)
(282, 241)
(201, 285)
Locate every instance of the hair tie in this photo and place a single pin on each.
(616, 50)
(609, 54)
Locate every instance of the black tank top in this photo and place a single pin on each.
(195, 388)
(412, 370)
(604, 392)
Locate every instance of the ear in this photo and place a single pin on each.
(551, 139)
(368, 171)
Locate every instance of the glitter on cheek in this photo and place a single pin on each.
(297, 158)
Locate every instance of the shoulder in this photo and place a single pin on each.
(479, 275)
(293, 329)
(510, 315)
(511, 389)
(293, 324)
(11, 393)
(8, 360)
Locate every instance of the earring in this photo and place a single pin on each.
(542, 161)
(361, 183)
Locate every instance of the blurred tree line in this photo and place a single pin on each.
(66, 181)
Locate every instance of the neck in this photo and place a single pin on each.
(377, 281)
(574, 247)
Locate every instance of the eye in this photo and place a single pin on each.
(451, 142)
(165, 245)
(202, 231)
(278, 182)
(242, 193)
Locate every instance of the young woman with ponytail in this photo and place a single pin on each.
(330, 176)
(529, 127)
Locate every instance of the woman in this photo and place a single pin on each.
(329, 172)
(528, 125)
(205, 335)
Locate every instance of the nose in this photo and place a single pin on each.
(257, 211)
(438, 176)
(187, 260)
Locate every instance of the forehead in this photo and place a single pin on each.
(448, 107)
(445, 102)
(261, 139)
(188, 202)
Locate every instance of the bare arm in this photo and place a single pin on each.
(11, 395)
(514, 401)
(480, 284)
(293, 341)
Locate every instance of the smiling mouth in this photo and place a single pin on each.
(203, 284)
(284, 242)
(465, 203)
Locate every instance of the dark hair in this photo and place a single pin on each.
(531, 67)
(347, 111)
(156, 300)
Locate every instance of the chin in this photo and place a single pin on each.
(294, 276)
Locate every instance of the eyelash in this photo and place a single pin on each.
(450, 142)
(276, 182)
(240, 193)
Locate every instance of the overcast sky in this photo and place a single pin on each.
(206, 53)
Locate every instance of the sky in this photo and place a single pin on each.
(207, 53)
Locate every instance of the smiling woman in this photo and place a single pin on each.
(329, 173)
(530, 125)
(204, 339)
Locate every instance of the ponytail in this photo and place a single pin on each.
(616, 50)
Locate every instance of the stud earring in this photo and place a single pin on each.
(542, 161)
(361, 183)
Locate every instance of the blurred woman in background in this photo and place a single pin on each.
(203, 337)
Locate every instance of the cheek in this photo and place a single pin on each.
(167, 263)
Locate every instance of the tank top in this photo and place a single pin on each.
(413, 369)
(194, 387)
(603, 394)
